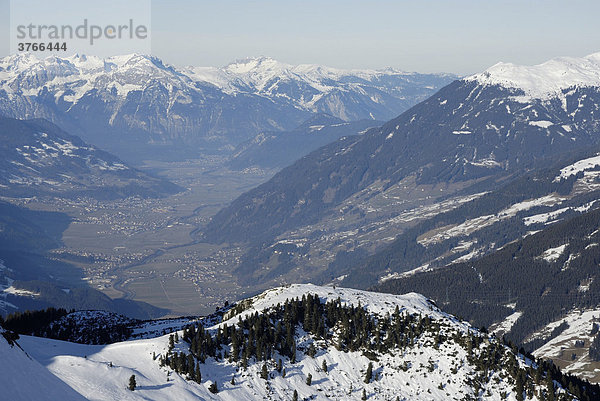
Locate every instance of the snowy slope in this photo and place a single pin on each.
(24, 379)
(544, 80)
(423, 371)
(578, 328)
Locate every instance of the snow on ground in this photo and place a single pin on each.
(561, 348)
(544, 217)
(578, 166)
(374, 302)
(87, 369)
(23, 378)
(551, 255)
(395, 275)
(544, 80)
(425, 371)
(468, 256)
(17, 291)
(477, 223)
(541, 124)
(504, 326)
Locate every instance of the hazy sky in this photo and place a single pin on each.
(426, 35)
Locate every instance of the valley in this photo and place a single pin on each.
(147, 248)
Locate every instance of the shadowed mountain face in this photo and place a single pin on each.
(275, 149)
(137, 102)
(38, 158)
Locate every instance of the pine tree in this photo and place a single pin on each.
(264, 372)
(132, 383)
(279, 365)
(364, 395)
(309, 379)
(312, 350)
(369, 374)
(213, 388)
(198, 374)
(519, 388)
(295, 397)
(551, 390)
(324, 366)
(233, 380)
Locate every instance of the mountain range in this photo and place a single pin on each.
(129, 102)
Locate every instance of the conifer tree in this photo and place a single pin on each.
(364, 395)
(295, 397)
(132, 383)
(369, 374)
(264, 372)
(550, 383)
(324, 366)
(309, 379)
(198, 374)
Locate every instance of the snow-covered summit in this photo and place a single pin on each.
(544, 80)
(376, 303)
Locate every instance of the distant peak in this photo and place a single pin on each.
(249, 64)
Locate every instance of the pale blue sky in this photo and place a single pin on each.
(428, 35)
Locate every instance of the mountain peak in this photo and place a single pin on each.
(251, 64)
(546, 79)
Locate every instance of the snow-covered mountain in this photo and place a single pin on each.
(548, 80)
(137, 99)
(429, 355)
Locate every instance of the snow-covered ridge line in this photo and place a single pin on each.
(376, 303)
(250, 74)
(544, 80)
